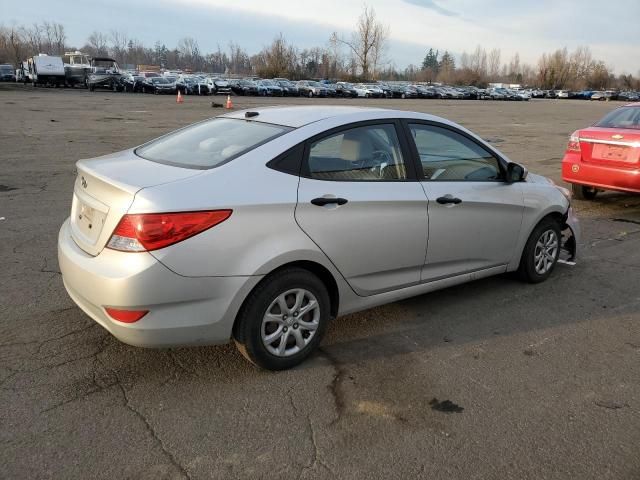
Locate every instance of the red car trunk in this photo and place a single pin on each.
(610, 146)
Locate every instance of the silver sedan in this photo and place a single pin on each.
(263, 225)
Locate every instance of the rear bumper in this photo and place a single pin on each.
(182, 310)
(601, 176)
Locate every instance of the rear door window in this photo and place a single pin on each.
(371, 153)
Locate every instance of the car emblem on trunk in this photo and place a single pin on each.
(83, 182)
(617, 136)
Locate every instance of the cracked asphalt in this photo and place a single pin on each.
(490, 380)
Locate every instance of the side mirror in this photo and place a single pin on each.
(515, 173)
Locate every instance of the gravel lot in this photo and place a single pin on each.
(490, 380)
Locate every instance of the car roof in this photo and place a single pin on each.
(298, 116)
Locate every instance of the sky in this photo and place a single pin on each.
(528, 27)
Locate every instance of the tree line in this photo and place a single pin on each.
(362, 55)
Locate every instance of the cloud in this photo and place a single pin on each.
(431, 5)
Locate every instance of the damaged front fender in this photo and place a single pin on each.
(571, 234)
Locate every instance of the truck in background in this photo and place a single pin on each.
(7, 74)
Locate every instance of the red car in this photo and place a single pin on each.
(605, 156)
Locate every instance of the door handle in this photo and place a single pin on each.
(322, 201)
(448, 199)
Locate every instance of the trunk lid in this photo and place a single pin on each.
(104, 190)
(610, 146)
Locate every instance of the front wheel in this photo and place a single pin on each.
(283, 320)
(583, 192)
(541, 252)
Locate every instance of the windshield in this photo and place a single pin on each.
(159, 80)
(6, 68)
(210, 143)
(625, 117)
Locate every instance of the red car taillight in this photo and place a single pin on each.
(151, 231)
(574, 142)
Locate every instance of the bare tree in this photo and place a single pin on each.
(238, 59)
(33, 36)
(190, 53)
(278, 59)
(368, 43)
(494, 64)
(119, 45)
(13, 44)
(97, 43)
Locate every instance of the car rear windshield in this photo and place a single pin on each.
(210, 143)
(625, 117)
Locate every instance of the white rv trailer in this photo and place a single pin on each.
(46, 70)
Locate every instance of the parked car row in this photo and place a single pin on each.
(77, 68)
(596, 95)
(203, 84)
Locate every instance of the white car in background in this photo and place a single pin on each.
(361, 90)
(374, 90)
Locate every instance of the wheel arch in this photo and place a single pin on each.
(319, 270)
(551, 213)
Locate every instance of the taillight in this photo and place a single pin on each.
(151, 231)
(574, 142)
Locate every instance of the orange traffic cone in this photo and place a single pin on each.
(179, 99)
(229, 104)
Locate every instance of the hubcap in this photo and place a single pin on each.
(546, 252)
(290, 322)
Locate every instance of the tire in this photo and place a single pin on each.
(583, 192)
(541, 252)
(310, 94)
(403, 96)
(252, 324)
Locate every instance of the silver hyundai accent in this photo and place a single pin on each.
(263, 225)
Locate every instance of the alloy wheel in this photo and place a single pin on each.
(290, 322)
(546, 252)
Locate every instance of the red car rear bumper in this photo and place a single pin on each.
(574, 170)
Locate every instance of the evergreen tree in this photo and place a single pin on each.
(431, 61)
(447, 62)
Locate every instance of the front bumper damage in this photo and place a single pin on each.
(571, 234)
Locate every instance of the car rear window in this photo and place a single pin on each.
(625, 117)
(210, 143)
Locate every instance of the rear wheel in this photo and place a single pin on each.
(583, 192)
(541, 252)
(310, 94)
(283, 319)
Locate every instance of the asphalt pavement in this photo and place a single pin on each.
(495, 379)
